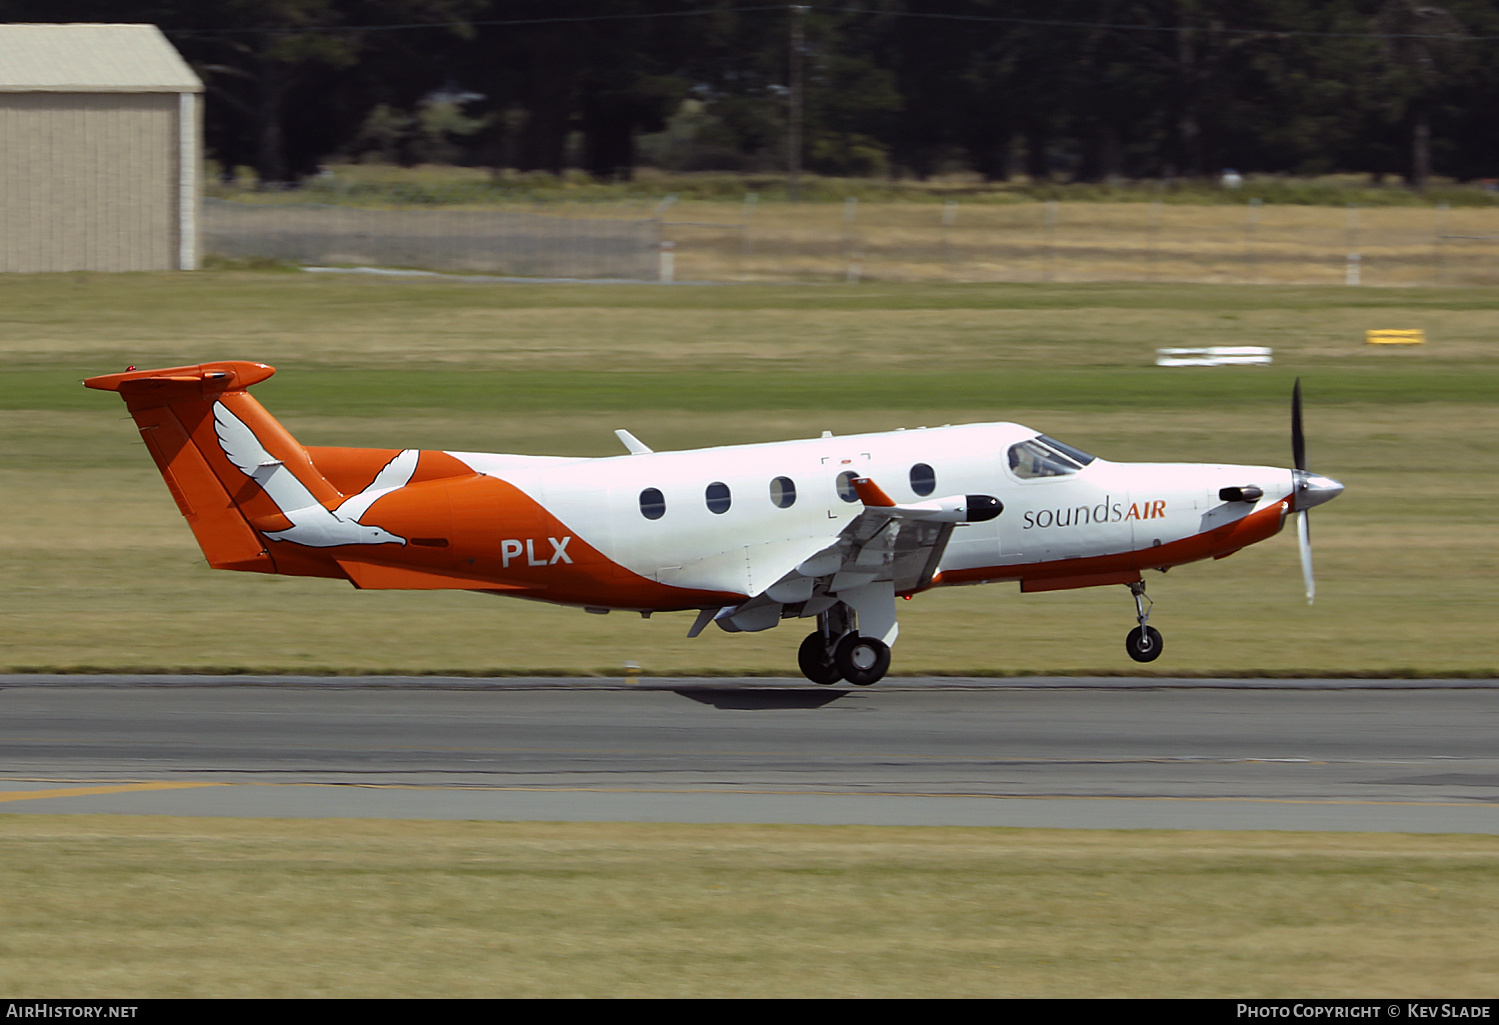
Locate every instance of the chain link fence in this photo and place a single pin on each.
(1250, 243)
(1032, 241)
(503, 242)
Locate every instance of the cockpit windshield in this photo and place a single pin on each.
(1046, 457)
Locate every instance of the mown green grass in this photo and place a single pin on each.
(101, 572)
(129, 907)
(352, 391)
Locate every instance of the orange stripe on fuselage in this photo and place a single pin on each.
(465, 529)
(1220, 541)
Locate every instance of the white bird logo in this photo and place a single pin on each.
(311, 522)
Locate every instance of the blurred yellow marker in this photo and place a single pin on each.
(1391, 336)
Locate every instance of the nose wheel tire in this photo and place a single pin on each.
(862, 660)
(815, 662)
(1144, 644)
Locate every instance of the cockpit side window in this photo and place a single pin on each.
(1077, 455)
(1046, 457)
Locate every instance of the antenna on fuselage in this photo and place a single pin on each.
(634, 444)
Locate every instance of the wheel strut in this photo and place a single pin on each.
(1143, 604)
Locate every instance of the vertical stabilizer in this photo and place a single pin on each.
(216, 473)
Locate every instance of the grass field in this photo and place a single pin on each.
(130, 907)
(101, 572)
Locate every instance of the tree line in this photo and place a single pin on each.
(1083, 90)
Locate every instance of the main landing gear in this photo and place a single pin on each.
(834, 652)
(816, 661)
(1144, 643)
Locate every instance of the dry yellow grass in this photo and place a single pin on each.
(1073, 241)
(130, 907)
(1083, 242)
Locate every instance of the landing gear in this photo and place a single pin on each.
(836, 651)
(862, 660)
(1144, 643)
(816, 661)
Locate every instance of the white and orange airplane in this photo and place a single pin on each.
(833, 529)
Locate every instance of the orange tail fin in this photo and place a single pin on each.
(182, 413)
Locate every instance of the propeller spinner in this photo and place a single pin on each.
(1311, 489)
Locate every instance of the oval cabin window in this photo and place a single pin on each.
(718, 497)
(652, 504)
(846, 486)
(923, 479)
(783, 492)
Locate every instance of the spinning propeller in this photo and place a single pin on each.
(1311, 489)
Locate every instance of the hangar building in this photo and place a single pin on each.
(100, 146)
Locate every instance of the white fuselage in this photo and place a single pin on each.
(1103, 509)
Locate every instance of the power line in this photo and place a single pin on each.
(1262, 33)
(1122, 27)
(477, 23)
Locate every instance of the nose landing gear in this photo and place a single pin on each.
(1144, 643)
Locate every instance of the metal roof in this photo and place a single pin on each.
(91, 59)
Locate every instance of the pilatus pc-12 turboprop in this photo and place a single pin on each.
(831, 529)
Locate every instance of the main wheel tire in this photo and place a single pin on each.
(1144, 644)
(815, 663)
(862, 660)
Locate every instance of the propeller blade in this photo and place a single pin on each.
(1298, 439)
(1304, 539)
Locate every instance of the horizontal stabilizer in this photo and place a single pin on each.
(231, 375)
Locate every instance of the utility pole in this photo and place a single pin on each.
(794, 120)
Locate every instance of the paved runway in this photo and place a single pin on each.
(1410, 756)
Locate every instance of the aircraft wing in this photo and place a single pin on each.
(902, 544)
(874, 546)
(888, 549)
